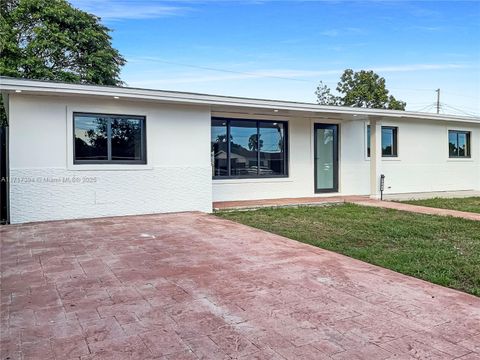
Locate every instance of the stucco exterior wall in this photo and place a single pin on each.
(45, 185)
(423, 164)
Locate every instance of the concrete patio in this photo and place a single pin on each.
(193, 286)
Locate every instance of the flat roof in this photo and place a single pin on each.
(217, 102)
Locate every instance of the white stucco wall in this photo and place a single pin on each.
(45, 185)
(353, 168)
(423, 164)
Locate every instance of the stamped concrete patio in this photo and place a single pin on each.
(190, 285)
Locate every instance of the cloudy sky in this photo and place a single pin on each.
(282, 49)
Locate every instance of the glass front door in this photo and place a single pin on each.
(326, 158)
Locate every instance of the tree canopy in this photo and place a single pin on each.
(359, 89)
(52, 40)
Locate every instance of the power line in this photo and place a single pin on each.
(461, 95)
(260, 75)
(427, 107)
(223, 70)
(460, 110)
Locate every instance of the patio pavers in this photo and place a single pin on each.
(190, 286)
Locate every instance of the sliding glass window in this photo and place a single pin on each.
(458, 144)
(109, 139)
(255, 148)
(219, 148)
(389, 141)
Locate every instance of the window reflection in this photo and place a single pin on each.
(244, 146)
(389, 141)
(91, 138)
(219, 148)
(126, 139)
(109, 138)
(458, 143)
(272, 153)
(255, 148)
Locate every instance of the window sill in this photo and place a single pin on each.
(387, 159)
(252, 180)
(461, 159)
(109, 167)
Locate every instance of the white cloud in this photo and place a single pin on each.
(206, 74)
(123, 10)
(343, 32)
(418, 67)
(331, 32)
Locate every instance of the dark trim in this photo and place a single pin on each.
(395, 141)
(143, 145)
(258, 121)
(336, 132)
(469, 146)
(4, 177)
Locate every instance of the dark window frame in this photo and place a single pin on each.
(395, 141)
(250, 176)
(468, 152)
(336, 160)
(394, 152)
(109, 161)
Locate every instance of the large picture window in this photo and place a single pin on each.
(389, 141)
(458, 144)
(108, 139)
(248, 148)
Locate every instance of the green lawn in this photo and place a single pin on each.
(443, 250)
(470, 204)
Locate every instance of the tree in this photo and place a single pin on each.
(324, 95)
(360, 89)
(52, 40)
(254, 142)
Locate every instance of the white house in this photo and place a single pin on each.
(78, 151)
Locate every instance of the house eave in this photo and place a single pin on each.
(215, 102)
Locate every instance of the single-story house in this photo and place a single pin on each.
(80, 151)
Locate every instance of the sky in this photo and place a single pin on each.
(283, 49)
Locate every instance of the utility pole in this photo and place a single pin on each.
(438, 100)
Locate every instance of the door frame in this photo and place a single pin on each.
(336, 134)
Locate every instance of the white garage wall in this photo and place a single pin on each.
(46, 186)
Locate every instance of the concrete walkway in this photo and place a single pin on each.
(284, 202)
(193, 286)
(360, 200)
(417, 209)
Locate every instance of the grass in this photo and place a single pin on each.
(470, 204)
(442, 250)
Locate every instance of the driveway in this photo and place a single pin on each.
(190, 285)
